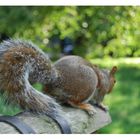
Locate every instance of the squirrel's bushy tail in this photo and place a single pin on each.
(35, 101)
(19, 59)
(30, 99)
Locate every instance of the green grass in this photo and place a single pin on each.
(7, 109)
(124, 101)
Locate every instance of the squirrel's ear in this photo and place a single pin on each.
(113, 71)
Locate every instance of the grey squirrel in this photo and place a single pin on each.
(22, 62)
(79, 81)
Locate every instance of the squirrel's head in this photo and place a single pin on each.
(109, 79)
(112, 79)
(106, 83)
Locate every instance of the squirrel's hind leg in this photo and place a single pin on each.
(84, 106)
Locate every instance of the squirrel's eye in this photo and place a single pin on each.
(114, 81)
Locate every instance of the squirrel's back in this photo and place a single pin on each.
(77, 79)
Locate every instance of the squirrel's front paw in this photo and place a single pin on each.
(103, 107)
(92, 111)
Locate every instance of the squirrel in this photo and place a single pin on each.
(22, 63)
(79, 81)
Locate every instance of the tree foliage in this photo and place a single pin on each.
(96, 31)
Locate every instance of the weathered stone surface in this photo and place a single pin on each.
(79, 121)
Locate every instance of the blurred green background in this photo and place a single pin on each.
(105, 36)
